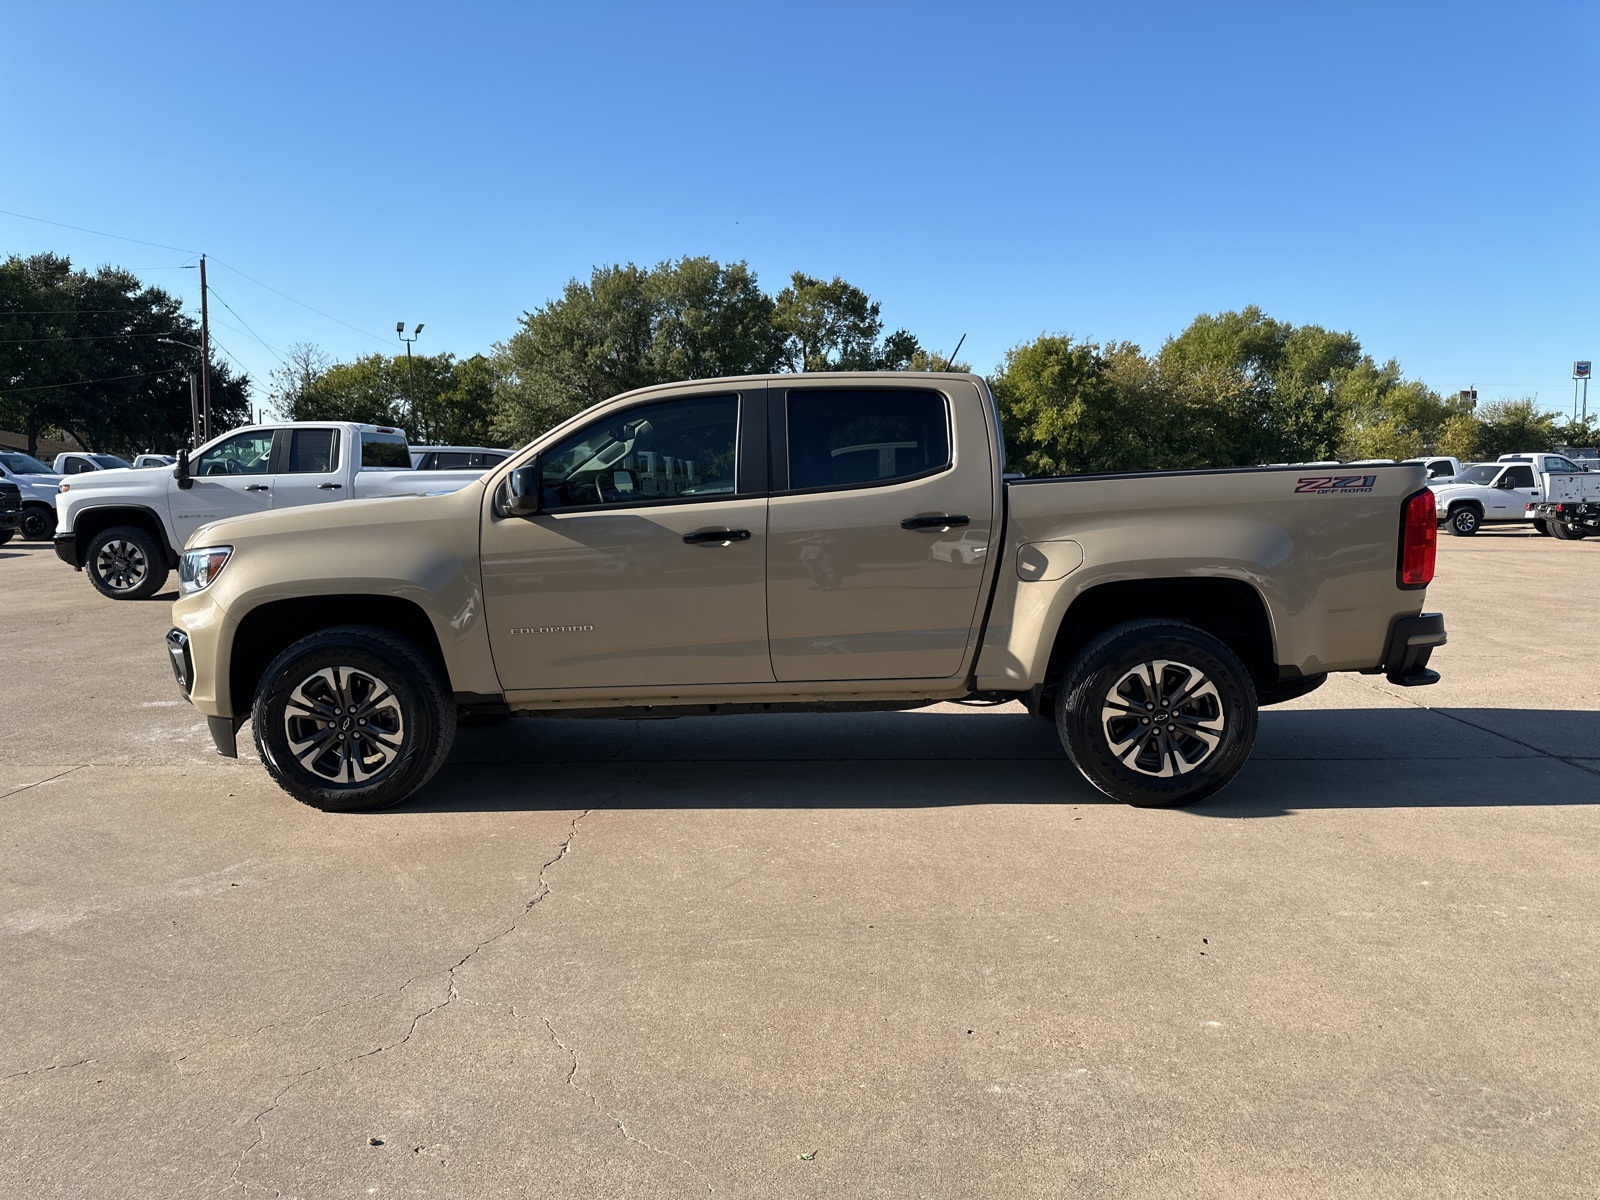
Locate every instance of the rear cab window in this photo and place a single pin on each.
(313, 451)
(386, 450)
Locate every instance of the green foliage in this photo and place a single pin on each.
(1507, 426)
(835, 326)
(59, 326)
(629, 327)
(435, 398)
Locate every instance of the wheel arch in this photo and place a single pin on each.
(88, 524)
(1230, 610)
(267, 630)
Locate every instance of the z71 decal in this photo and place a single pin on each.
(1336, 483)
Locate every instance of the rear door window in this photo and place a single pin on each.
(313, 451)
(861, 437)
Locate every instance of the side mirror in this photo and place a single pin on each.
(522, 490)
(1506, 482)
(181, 471)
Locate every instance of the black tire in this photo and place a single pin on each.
(5, 536)
(36, 524)
(1464, 520)
(1281, 691)
(1109, 673)
(126, 562)
(1563, 532)
(413, 719)
(1541, 527)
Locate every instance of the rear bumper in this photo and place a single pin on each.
(1411, 642)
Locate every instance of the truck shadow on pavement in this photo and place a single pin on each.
(1305, 759)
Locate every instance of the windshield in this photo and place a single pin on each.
(24, 464)
(1479, 474)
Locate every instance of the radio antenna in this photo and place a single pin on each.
(954, 352)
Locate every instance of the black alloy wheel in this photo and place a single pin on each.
(353, 719)
(1157, 713)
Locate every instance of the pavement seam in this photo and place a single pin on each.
(1539, 750)
(40, 782)
(621, 1125)
(450, 994)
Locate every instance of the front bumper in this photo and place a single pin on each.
(1412, 641)
(223, 730)
(67, 550)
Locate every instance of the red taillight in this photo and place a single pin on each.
(1419, 539)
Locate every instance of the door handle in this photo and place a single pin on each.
(935, 522)
(721, 537)
(329, 487)
(257, 487)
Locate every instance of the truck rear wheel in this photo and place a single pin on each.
(1563, 532)
(1542, 527)
(1157, 713)
(352, 719)
(1464, 521)
(126, 562)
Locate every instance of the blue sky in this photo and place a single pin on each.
(1423, 175)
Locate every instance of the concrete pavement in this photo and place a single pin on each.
(875, 955)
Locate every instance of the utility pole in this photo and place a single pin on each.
(400, 332)
(205, 355)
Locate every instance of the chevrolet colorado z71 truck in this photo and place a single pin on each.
(124, 527)
(802, 542)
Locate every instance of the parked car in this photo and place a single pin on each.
(700, 548)
(76, 463)
(455, 458)
(1486, 494)
(1441, 467)
(155, 460)
(125, 527)
(38, 485)
(10, 510)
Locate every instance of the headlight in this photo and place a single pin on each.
(198, 569)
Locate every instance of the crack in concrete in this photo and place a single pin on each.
(41, 1070)
(622, 1126)
(451, 992)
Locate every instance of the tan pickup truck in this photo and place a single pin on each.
(802, 543)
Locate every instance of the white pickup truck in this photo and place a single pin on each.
(127, 527)
(37, 484)
(1570, 508)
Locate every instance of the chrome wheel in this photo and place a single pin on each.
(1162, 718)
(121, 565)
(344, 725)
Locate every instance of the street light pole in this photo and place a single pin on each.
(411, 389)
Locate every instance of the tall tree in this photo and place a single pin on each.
(831, 325)
(93, 355)
(436, 398)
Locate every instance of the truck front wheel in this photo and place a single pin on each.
(352, 719)
(38, 524)
(1157, 713)
(1464, 521)
(126, 562)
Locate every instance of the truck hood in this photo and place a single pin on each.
(379, 517)
(116, 478)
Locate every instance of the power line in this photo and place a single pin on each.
(44, 387)
(292, 300)
(98, 233)
(253, 333)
